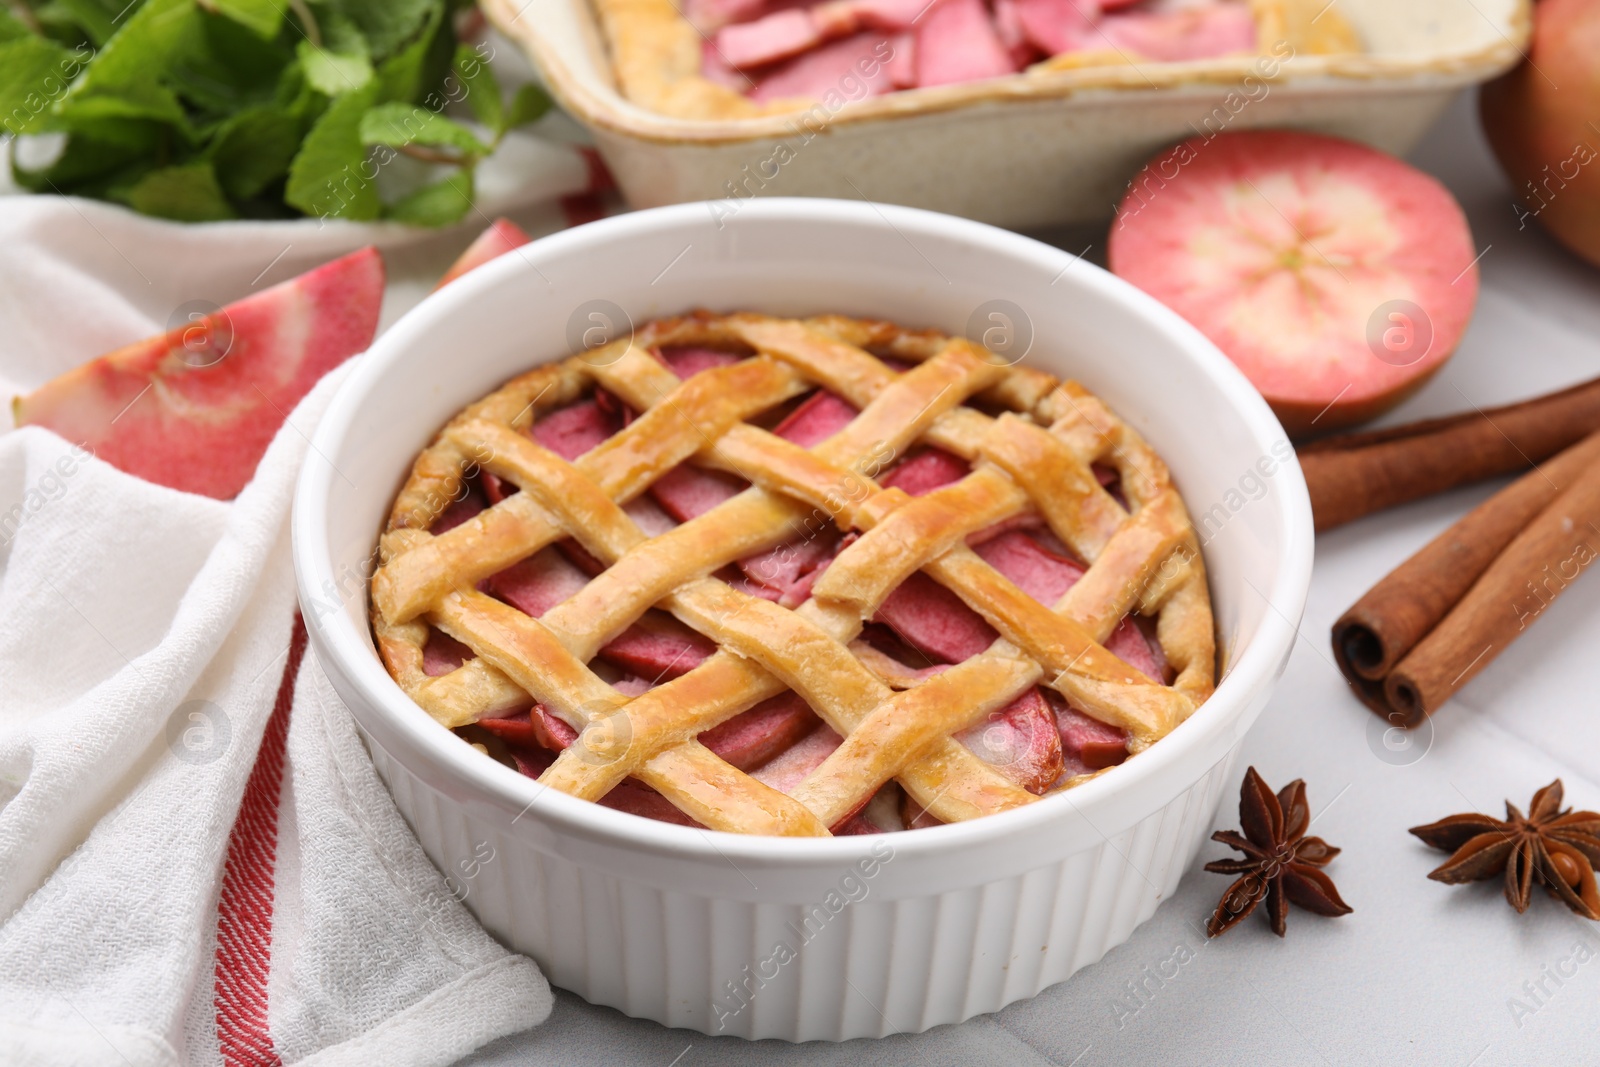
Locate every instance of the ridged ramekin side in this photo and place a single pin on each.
(870, 968)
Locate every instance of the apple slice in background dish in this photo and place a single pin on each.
(1185, 34)
(195, 408)
(957, 42)
(501, 237)
(1338, 278)
(1056, 26)
(785, 33)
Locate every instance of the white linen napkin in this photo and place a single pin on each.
(198, 864)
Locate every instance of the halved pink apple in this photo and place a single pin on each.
(1339, 279)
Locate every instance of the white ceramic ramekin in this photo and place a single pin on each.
(803, 939)
(1031, 149)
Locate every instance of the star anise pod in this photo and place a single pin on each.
(1280, 863)
(1559, 849)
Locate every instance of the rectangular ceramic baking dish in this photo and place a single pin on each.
(914, 929)
(1026, 150)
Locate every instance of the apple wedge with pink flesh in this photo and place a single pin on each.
(1337, 278)
(501, 237)
(195, 408)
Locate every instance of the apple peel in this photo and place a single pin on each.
(500, 237)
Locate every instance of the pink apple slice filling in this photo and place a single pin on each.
(718, 71)
(1021, 741)
(1013, 35)
(468, 503)
(777, 573)
(685, 492)
(790, 767)
(902, 62)
(745, 741)
(1087, 744)
(850, 68)
(745, 45)
(443, 654)
(658, 647)
(571, 431)
(688, 360)
(924, 471)
(846, 16)
(1175, 36)
(538, 583)
(818, 418)
(759, 735)
(957, 42)
(1058, 26)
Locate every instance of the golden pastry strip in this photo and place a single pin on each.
(1146, 561)
(1060, 482)
(908, 722)
(723, 797)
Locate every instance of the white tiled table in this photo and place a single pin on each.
(1421, 973)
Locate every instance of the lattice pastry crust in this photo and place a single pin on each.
(1037, 449)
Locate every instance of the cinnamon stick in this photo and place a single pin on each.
(1356, 474)
(1535, 568)
(1397, 613)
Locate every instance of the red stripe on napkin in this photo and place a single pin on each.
(244, 910)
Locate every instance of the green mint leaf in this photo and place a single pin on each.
(399, 125)
(334, 73)
(439, 204)
(339, 34)
(98, 19)
(228, 69)
(419, 65)
(96, 153)
(296, 96)
(31, 81)
(386, 24)
(150, 102)
(254, 149)
(330, 176)
(188, 193)
(123, 79)
(262, 17)
(528, 105)
(482, 88)
(210, 109)
(12, 27)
